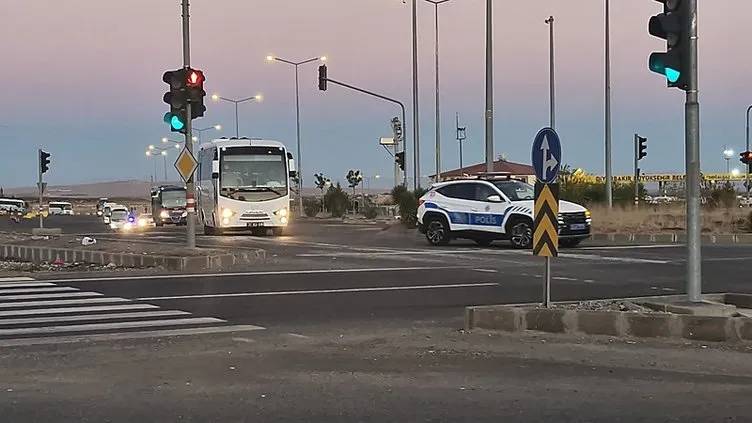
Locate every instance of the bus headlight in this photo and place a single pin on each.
(588, 216)
(225, 221)
(283, 220)
(281, 212)
(227, 213)
(164, 214)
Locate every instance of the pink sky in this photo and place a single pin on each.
(90, 72)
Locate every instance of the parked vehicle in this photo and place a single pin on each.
(488, 208)
(62, 208)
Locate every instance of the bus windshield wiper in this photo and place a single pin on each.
(259, 188)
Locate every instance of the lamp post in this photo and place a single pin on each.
(296, 65)
(153, 151)
(607, 108)
(436, 4)
(236, 102)
(728, 154)
(202, 130)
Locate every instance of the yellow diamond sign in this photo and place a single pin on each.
(186, 164)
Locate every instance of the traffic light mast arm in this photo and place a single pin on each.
(371, 93)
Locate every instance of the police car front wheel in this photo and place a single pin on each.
(437, 232)
(522, 234)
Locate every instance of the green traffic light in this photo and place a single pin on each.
(176, 123)
(672, 75)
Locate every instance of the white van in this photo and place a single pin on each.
(62, 208)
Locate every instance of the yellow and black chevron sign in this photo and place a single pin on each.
(546, 224)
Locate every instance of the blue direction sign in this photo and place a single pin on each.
(547, 155)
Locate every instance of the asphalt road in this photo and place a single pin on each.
(354, 322)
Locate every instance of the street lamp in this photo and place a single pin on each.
(217, 97)
(153, 151)
(436, 4)
(728, 154)
(177, 144)
(202, 130)
(270, 59)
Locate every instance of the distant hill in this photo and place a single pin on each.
(115, 189)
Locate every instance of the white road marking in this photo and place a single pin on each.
(589, 281)
(41, 289)
(49, 296)
(262, 273)
(128, 335)
(71, 310)
(631, 247)
(97, 300)
(486, 270)
(319, 291)
(728, 259)
(112, 316)
(297, 335)
(25, 285)
(109, 326)
(612, 259)
(245, 340)
(562, 278)
(16, 279)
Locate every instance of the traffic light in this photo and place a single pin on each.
(322, 77)
(397, 129)
(746, 158)
(642, 148)
(195, 84)
(400, 159)
(673, 25)
(44, 161)
(186, 86)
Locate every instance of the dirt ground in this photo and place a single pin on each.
(668, 219)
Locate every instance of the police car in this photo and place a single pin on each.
(492, 207)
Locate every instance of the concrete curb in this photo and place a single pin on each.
(36, 254)
(510, 318)
(670, 238)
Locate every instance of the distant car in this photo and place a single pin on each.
(487, 208)
(121, 220)
(144, 221)
(100, 206)
(61, 208)
(744, 201)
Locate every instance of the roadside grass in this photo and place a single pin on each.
(668, 219)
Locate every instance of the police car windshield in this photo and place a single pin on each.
(516, 190)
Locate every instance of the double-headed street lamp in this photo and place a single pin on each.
(436, 4)
(153, 151)
(270, 59)
(217, 97)
(201, 131)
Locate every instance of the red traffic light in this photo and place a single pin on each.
(746, 157)
(194, 78)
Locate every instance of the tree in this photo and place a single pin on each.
(336, 200)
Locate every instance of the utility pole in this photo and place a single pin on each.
(189, 189)
(552, 93)
(416, 114)
(692, 140)
(489, 87)
(609, 173)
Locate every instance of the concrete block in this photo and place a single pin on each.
(598, 322)
(744, 238)
(545, 320)
(642, 238)
(725, 239)
(647, 325)
(664, 238)
(743, 328)
(704, 328)
(500, 318)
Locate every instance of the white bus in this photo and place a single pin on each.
(13, 206)
(62, 208)
(244, 184)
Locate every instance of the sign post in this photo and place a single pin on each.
(546, 157)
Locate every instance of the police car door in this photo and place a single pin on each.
(487, 215)
(456, 201)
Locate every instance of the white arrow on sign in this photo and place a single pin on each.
(547, 163)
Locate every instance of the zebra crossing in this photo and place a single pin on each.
(45, 312)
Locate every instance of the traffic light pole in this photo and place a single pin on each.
(189, 189)
(692, 140)
(636, 170)
(607, 109)
(41, 190)
(749, 167)
(402, 106)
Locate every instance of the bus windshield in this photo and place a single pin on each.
(253, 173)
(173, 199)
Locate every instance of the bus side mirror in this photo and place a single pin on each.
(215, 169)
(291, 166)
(293, 174)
